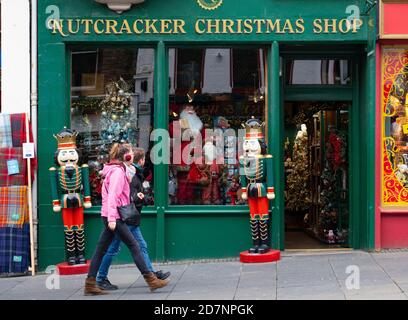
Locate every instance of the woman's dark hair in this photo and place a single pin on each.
(119, 150)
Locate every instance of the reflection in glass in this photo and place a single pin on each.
(318, 72)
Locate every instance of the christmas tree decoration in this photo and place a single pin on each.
(117, 116)
(298, 191)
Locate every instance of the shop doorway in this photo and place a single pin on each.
(316, 162)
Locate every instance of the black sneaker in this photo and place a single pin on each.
(106, 285)
(162, 275)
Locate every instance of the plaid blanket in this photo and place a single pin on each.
(18, 134)
(18, 129)
(13, 206)
(19, 179)
(15, 249)
(6, 139)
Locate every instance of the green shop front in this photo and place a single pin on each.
(305, 68)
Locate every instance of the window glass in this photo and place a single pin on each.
(395, 125)
(215, 89)
(112, 101)
(318, 72)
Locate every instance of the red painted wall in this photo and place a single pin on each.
(395, 18)
(394, 230)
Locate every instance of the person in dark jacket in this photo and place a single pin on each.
(134, 171)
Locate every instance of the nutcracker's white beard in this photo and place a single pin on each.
(194, 121)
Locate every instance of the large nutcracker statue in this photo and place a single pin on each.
(257, 184)
(68, 182)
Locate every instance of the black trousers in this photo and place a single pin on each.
(106, 239)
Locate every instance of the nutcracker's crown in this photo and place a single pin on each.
(254, 129)
(66, 139)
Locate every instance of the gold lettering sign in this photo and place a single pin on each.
(66, 27)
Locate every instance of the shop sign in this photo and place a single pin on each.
(67, 27)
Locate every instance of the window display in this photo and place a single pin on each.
(395, 125)
(112, 101)
(207, 109)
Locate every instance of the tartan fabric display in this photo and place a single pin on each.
(18, 129)
(19, 179)
(15, 249)
(6, 139)
(13, 206)
(14, 216)
(18, 134)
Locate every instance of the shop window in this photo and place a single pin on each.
(230, 93)
(395, 126)
(112, 101)
(318, 72)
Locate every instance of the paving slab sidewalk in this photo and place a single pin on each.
(323, 276)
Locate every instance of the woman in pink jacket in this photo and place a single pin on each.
(115, 193)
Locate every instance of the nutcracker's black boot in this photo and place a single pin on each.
(264, 233)
(80, 245)
(255, 237)
(70, 247)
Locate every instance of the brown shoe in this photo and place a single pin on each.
(91, 289)
(154, 282)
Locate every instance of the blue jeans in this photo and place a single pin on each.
(114, 249)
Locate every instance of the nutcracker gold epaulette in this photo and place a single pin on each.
(84, 166)
(261, 156)
(52, 169)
